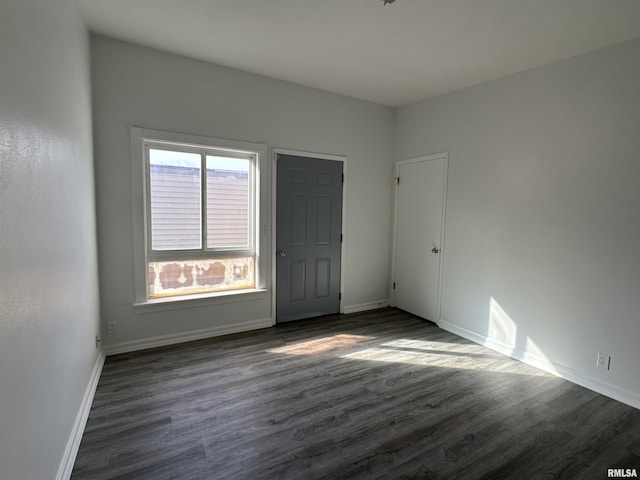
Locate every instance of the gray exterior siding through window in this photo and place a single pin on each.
(176, 209)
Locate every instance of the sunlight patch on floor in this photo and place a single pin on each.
(426, 345)
(320, 345)
(446, 360)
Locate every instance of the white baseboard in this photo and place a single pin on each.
(559, 370)
(73, 443)
(163, 340)
(361, 307)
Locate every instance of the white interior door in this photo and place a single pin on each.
(418, 245)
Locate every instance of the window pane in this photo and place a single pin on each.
(183, 277)
(175, 200)
(227, 202)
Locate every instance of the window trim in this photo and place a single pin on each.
(140, 139)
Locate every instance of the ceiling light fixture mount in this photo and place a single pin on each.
(388, 1)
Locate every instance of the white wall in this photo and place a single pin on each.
(48, 262)
(133, 85)
(542, 251)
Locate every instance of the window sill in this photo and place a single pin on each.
(200, 300)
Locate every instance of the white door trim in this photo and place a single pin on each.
(274, 182)
(439, 156)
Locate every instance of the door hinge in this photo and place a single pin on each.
(340, 296)
(343, 178)
(341, 238)
(394, 285)
(397, 179)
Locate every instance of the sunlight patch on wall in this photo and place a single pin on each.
(501, 327)
(504, 336)
(535, 356)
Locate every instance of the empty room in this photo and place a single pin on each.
(367, 239)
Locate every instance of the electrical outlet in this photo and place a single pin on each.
(603, 360)
(111, 327)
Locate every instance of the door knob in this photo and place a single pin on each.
(435, 250)
(281, 253)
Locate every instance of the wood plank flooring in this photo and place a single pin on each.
(375, 395)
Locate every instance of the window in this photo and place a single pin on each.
(200, 217)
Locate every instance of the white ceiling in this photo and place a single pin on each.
(390, 54)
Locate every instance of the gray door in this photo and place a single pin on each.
(308, 237)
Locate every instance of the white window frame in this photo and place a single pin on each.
(141, 141)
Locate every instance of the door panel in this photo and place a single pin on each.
(323, 277)
(308, 237)
(418, 248)
(297, 206)
(298, 273)
(323, 227)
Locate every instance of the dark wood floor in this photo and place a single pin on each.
(376, 395)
